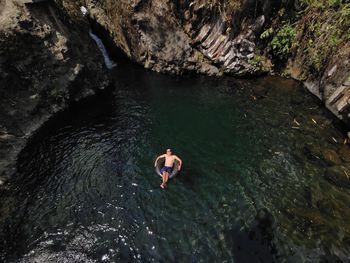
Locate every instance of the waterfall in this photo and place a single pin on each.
(108, 62)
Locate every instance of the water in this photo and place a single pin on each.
(252, 187)
(108, 61)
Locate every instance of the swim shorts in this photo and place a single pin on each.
(167, 169)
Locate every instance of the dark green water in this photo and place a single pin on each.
(252, 188)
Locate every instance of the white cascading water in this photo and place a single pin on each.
(108, 62)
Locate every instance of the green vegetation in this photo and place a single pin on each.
(260, 62)
(325, 25)
(224, 7)
(281, 40)
(257, 61)
(322, 4)
(315, 32)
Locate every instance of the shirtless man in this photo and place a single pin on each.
(168, 166)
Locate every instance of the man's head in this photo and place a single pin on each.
(168, 152)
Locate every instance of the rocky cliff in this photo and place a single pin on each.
(46, 61)
(305, 39)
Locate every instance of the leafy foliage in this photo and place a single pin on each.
(281, 40)
(267, 33)
(223, 6)
(325, 25)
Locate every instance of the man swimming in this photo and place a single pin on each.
(168, 165)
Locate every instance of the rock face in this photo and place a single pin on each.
(226, 37)
(46, 60)
(149, 33)
(179, 37)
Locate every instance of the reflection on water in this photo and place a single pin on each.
(256, 184)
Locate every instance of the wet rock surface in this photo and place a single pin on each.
(46, 62)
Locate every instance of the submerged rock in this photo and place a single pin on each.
(344, 154)
(331, 157)
(338, 175)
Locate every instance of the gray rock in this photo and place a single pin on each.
(347, 81)
(250, 56)
(258, 24)
(332, 71)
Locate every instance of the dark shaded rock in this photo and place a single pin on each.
(45, 64)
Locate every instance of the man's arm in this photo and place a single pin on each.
(160, 156)
(180, 161)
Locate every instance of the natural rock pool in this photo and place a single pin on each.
(264, 177)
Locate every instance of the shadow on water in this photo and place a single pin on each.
(255, 242)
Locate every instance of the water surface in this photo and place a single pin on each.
(252, 188)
